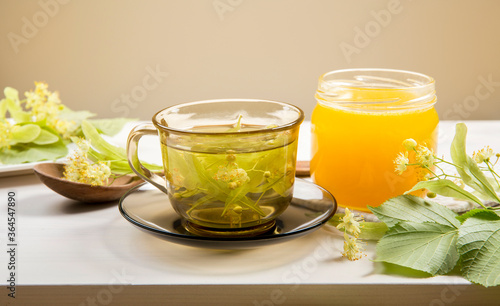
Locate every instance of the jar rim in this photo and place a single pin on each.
(343, 89)
(431, 80)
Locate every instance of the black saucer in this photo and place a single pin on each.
(149, 209)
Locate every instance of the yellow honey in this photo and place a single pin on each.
(358, 126)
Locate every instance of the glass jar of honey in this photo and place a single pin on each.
(358, 126)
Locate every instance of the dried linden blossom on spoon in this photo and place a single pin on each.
(96, 161)
(80, 169)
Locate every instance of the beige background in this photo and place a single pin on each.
(101, 55)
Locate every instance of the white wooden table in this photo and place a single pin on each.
(70, 253)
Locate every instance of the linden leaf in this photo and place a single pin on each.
(11, 93)
(3, 109)
(190, 182)
(428, 247)
(16, 111)
(11, 102)
(215, 188)
(479, 212)
(414, 209)
(25, 133)
(104, 151)
(45, 137)
(112, 152)
(110, 127)
(76, 116)
(33, 153)
(237, 126)
(446, 188)
(467, 168)
(479, 247)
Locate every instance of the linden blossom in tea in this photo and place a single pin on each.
(227, 171)
(232, 183)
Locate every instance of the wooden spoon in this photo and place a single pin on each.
(51, 174)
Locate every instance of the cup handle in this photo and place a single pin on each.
(133, 159)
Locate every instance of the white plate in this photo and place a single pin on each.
(17, 169)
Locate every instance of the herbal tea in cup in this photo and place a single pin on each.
(229, 164)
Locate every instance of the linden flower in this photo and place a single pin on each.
(41, 88)
(459, 182)
(46, 105)
(422, 174)
(5, 134)
(352, 250)
(79, 169)
(65, 128)
(401, 162)
(350, 223)
(232, 175)
(483, 155)
(177, 178)
(43, 104)
(425, 156)
(409, 144)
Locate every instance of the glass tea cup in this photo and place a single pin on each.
(229, 164)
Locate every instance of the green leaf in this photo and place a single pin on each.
(372, 230)
(11, 93)
(111, 152)
(3, 109)
(494, 183)
(414, 209)
(369, 230)
(16, 111)
(467, 168)
(77, 116)
(25, 133)
(45, 137)
(117, 166)
(12, 104)
(236, 195)
(479, 247)
(479, 212)
(446, 188)
(200, 201)
(120, 167)
(250, 204)
(216, 189)
(428, 247)
(33, 153)
(174, 157)
(239, 194)
(110, 127)
(237, 126)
